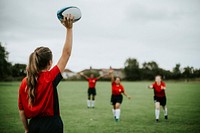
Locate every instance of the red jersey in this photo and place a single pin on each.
(117, 89)
(46, 100)
(92, 82)
(157, 89)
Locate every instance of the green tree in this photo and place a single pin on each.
(131, 69)
(19, 70)
(177, 71)
(188, 72)
(5, 66)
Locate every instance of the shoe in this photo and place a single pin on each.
(166, 117)
(93, 107)
(157, 120)
(116, 120)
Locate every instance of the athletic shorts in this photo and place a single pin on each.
(161, 100)
(92, 91)
(116, 99)
(49, 124)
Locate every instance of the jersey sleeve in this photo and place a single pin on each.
(113, 83)
(21, 88)
(122, 88)
(54, 72)
(163, 84)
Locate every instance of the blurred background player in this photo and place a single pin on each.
(91, 88)
(159, 88)
(116, 97)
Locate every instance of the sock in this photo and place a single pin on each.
(114, 114)
(93, 103)
(88, 103)
(117, 111)
(157, 113)
(165, 111)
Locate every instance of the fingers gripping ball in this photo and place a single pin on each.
(69, 11)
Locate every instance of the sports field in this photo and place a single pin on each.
(137, 114)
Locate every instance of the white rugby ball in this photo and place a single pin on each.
(75, 11)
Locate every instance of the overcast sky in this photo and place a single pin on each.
(110, 31)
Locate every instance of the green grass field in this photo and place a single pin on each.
(137, 115)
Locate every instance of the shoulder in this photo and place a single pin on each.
(113, 83)
(23, 84)
(163, 83)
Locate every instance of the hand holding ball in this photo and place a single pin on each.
(67, 11)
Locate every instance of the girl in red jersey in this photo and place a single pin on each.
(91, 89)
(38, 98)
(116, 97)
(159, 88)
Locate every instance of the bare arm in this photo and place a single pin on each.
(68, 23)
(111, 75)
(24, 120)
(163, 87)
(82, 74)
(150, 86)
(127, 95)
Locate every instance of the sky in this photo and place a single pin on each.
(109, 32)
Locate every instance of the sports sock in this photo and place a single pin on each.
(114, 112)
(88, 103)
(117, 111)
(165, 111)
(93, 103)
(157, 113)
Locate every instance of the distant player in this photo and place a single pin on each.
(116, 97)
(91, 88)
(159, 88)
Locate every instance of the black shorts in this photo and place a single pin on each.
(161, 100)
(116, 99)
(49, 124)
(92, 91)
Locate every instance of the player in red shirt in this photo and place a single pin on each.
(159, 88)
(91, 88)
(116, 97)
(38, 98)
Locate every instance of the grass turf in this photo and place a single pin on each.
(137, 114)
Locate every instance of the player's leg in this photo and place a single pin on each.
(117, 111)
(112, 100)
(93, 100)
(93, 97)
(163, 103)
(165, 112)
(157, 110)
(89, 97)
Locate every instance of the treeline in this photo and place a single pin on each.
(132, 70)
(148, 70)
(8, 71)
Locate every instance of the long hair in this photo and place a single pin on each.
(38, 61)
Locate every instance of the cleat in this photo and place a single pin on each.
(157, 120)
(166, 117)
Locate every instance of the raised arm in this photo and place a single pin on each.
(82, 74)
(68, 23)
(111, 75)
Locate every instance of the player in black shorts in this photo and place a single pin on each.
(116, 97)
(91, 89)
(159, 88)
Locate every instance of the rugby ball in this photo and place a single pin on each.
(75, 11)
